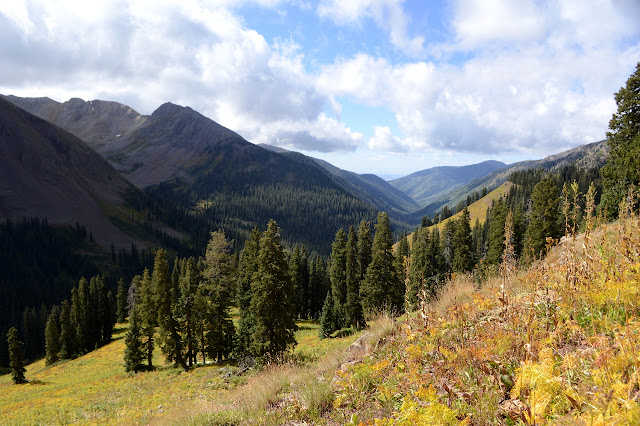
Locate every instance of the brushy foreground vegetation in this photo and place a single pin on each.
(556, 343)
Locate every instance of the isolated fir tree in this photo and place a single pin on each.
(273, 301)
(169, 336)
(52, 339)
(16, 362)
(477, 241)
(219, 284)
(338, 276)
(248, 266)
(436, 267)
(623, 164)
(543, 221)
(382, 286)
(134, 350)
(327, 320)
(121, 301)
(353, 305)
(463, 244)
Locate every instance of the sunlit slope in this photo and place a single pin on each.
(477, 210)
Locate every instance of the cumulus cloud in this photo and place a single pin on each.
(144, 53)
(513, 76)
(538, 81)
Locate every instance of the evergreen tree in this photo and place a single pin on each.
(30, 333)
(463, 244)
(623, 164)
(192, 306)
(419, 268)
(219, 282)
(16, 362)
(477, 238)
(52, 339)
(299, 271)
(121, 301)
(435, 264)
(134, 350)
(496, 218)
(148, 316)
(403, 245)
(67, 332)
(353, 306)
(543, 221)
(318, 285)
(168, 327)
(327, 320)
(273, 301)
(382, 286)
(248, 266)
(364, 247)
(338, 275)
(447, 244)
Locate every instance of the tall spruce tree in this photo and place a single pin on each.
(338, 276)
(219, 283)
(463, 244)
(67, 332)
(496, 218)
(364, 247)
(419, 269)
(543, 221)
(121, 301)
(192, 306)
(273, 301)
(382, 286)
(623, 164)
(134, 350)
(52, 338)
(16, 362)
(247, 267)
(169, 336)
(318, 285)
(148, 315)
(327, 320)
(353, 305)
(299, 271)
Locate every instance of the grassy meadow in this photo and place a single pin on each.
(95, 389)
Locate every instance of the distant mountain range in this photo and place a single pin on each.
(427, 185)
(180, 155)
(193, 162)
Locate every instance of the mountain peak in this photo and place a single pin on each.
(168, 109)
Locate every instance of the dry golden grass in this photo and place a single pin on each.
(477, 210)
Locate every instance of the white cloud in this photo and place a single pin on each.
(387, 14)
(478, 22)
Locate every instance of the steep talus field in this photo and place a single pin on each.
(426, 185)
(47, 172)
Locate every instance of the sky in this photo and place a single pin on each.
(374, 86)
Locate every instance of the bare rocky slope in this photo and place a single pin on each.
(47, 172)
